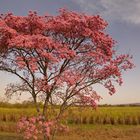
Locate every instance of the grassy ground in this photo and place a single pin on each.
(102, 132)
(9, 136)
(91, 132)
(106, 123)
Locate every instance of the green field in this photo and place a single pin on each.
(105, 123)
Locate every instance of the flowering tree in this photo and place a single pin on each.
(59, 58)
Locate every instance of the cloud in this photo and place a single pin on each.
(121, 10)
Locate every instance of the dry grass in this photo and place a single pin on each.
(102, 132)
(91, 132)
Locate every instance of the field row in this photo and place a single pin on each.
(75, 115)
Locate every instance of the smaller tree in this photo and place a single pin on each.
(58, 60)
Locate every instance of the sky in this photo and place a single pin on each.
(123, 17)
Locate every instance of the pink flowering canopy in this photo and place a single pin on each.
(59, 58)
(33, 126)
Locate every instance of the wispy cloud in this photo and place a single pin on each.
(122, 10)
